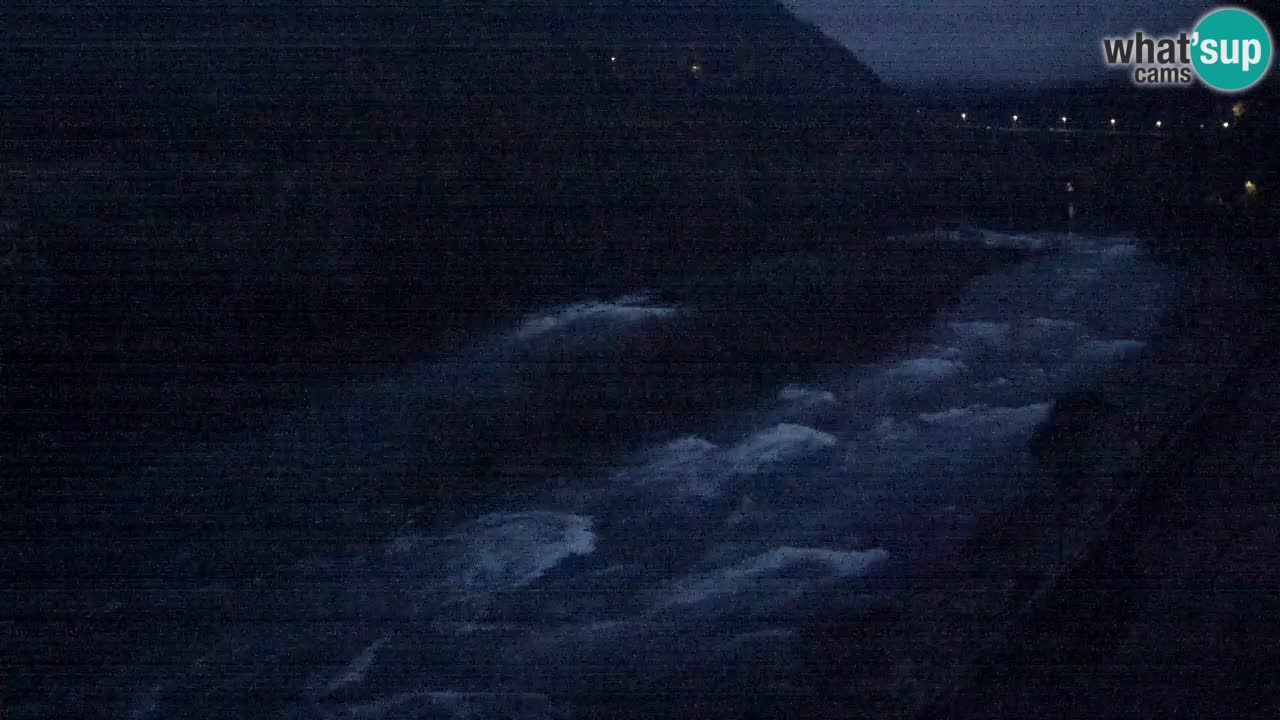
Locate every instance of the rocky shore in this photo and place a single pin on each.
(1139, 583)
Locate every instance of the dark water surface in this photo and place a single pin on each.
(694, 501)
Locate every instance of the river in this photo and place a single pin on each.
(717, 571)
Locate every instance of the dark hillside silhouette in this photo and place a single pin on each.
(246, 186)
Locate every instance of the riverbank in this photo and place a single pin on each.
(1138, 582)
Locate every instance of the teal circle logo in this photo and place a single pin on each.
(1231, 49)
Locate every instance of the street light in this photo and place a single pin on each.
(1226, 125)
(1159, 123)
(964, 116)
(1113, 122)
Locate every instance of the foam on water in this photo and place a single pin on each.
(991, 421)
(496, 553)
(806, 396)
(766, 577)
(927, 368)
(626, 309)
(695, 467)
(891, 430)
(510, 550)
(355, 671)
(1127, 250)
(981, 330)
(1105, 350)
(986, 238)
(1028, 241)
(777, 444)
(1019, 241)
(1054, 325)
(682, 465)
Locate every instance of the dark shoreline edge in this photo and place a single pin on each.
(1142, 430)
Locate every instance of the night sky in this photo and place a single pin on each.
(995, 43)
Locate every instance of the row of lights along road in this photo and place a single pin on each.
(695, 68)
(1112, 122)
